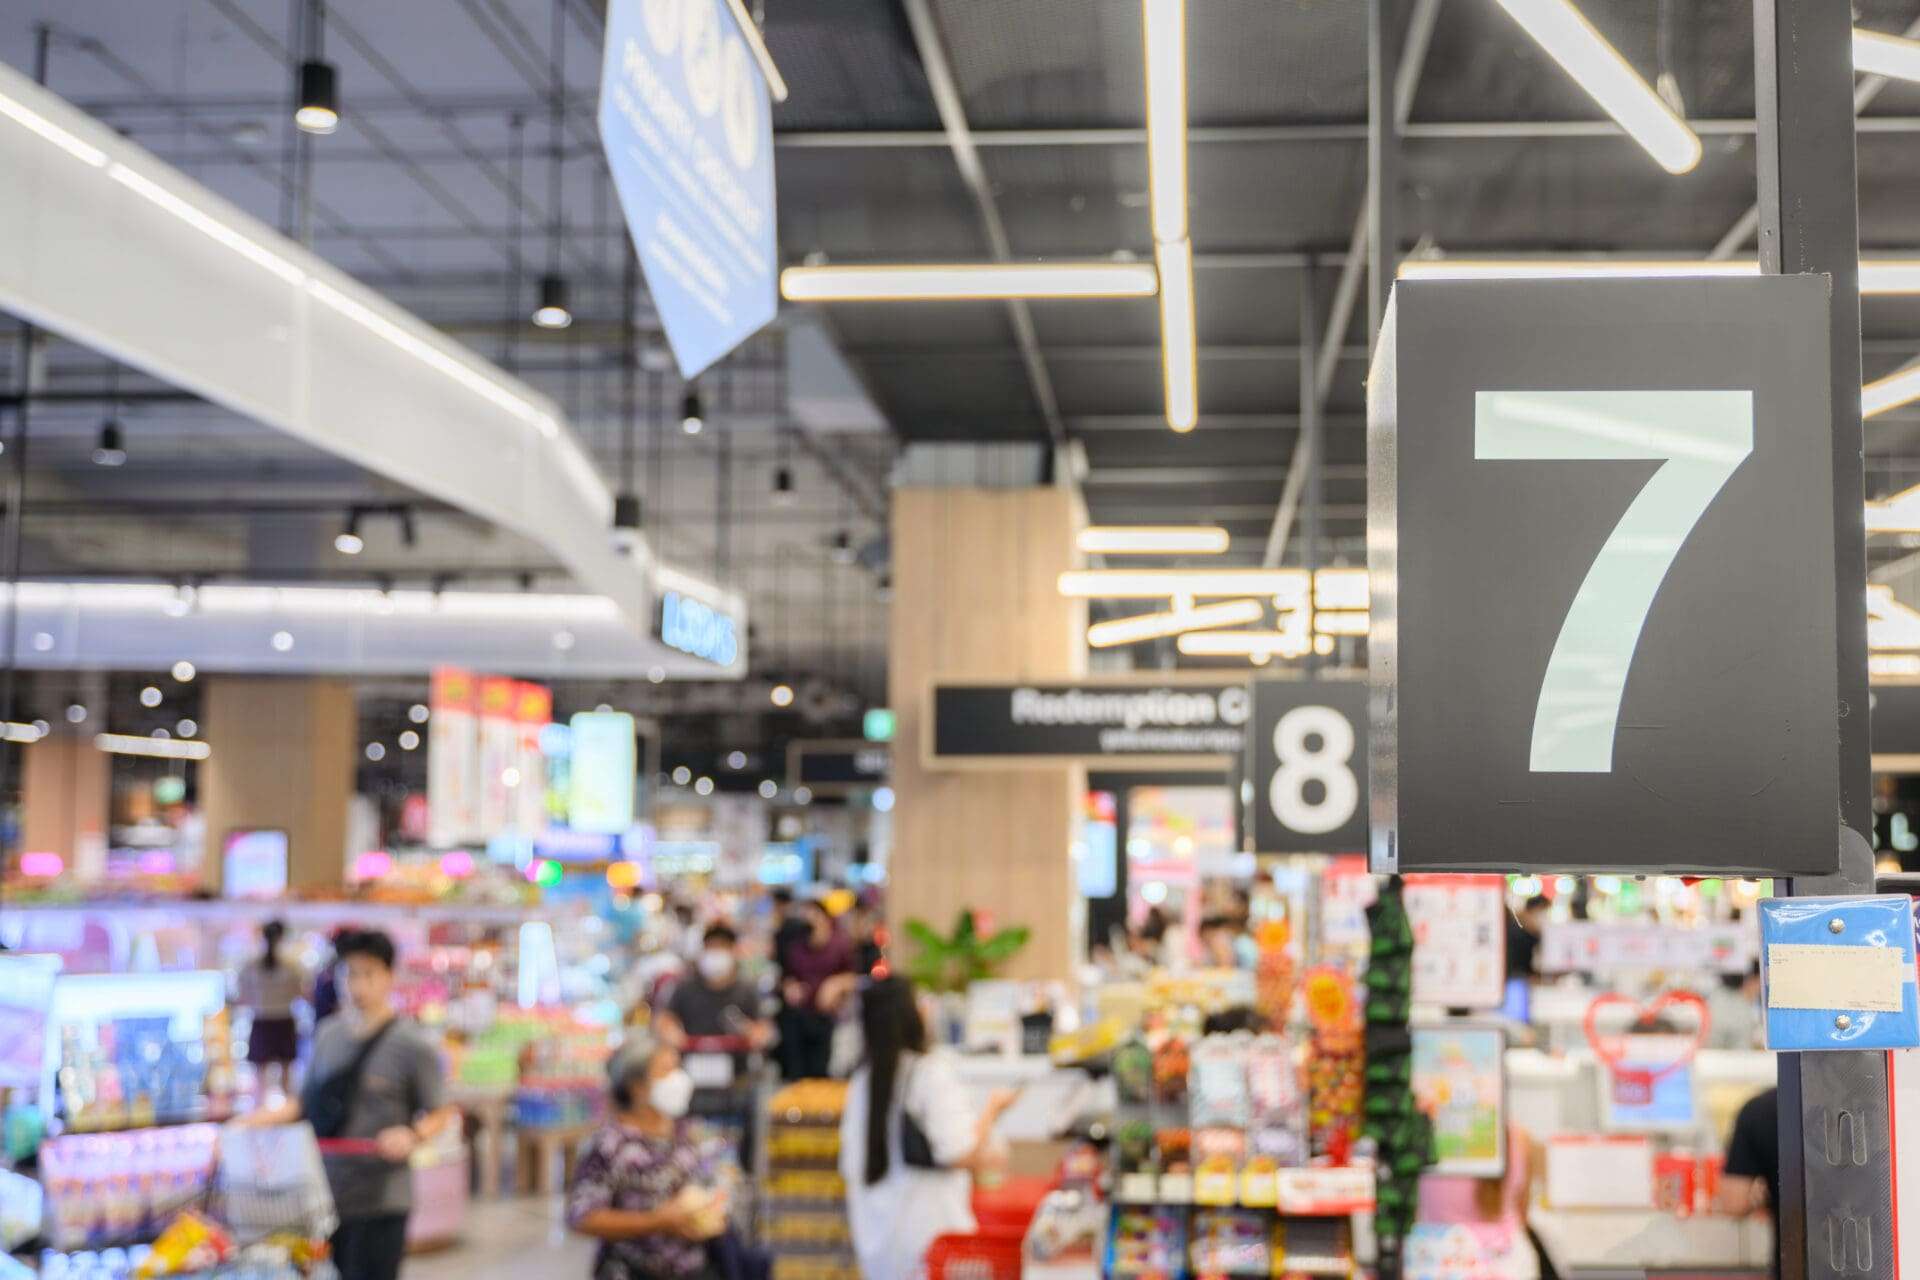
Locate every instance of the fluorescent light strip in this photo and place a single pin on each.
(211, 227)
(127, 744)
(1340, 589)
(1597, 67)
(34, 122)
(1893, 664)
(1165, 584)
(1179, 355)
(21, 733)
(457, 369)
(1890, 624)
(1881, 277)
(1241, 644)
(1150, 626)
(1890, 392)
(928, 282)
(1341, 622)
(1164, 29)
(1883, 55)
(1896, 513)
(1148, 540)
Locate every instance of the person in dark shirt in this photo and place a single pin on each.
(714, 1000)
(1750, 1182)
(1523, 937)
(816, 975)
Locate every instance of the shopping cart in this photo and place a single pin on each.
(730, 1095)
(985, 1255)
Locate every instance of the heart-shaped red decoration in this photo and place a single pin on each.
(1610, 1050)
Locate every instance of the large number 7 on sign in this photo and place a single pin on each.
(1701, 437)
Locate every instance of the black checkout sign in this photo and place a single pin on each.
(1601, 542)
(1135, 721)
(831, 766)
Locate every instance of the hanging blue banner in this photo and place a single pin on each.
(687, 125)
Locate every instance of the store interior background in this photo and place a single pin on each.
(275, 607)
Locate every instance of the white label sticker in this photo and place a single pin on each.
(1822, 976)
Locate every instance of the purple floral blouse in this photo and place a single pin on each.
(621, 1168)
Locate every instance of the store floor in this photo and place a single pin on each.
(509, 1240)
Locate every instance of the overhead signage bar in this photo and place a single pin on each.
(837, 766)
(1174, 723)
(1601, 548)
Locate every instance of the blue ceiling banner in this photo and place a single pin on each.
(687, 124)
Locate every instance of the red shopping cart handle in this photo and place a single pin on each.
(349, 1147)
(717, 1044)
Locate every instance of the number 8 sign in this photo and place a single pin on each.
(1307, 747)
(1600, 538)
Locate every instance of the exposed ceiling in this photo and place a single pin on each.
(420, 192)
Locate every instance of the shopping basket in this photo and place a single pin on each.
(988, 1255)
(271, 1181)
(1008, 1208)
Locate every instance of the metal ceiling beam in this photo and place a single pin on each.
(1097, 422)
(946, 100)
(1747, 223)
(1406, 84)
(1099, 476)
(1092, 352)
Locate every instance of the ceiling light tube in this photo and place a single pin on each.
(21, 733)
(1340, 589)
(1597, 67)
(1891, 624)
(1896, 513)
(127, 744)
(1878, 276)
(1148, 540)
(955, 281)
(1341, 622)
(1164, 584)
(1878, 54)
(1890, 392)
(1179, 355)
(1241, 644)
(1150, 626)
(1165, 32)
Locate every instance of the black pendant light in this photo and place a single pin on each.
(317, 90)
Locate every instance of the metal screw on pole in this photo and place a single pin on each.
(1842, 1022)
(1836, 925)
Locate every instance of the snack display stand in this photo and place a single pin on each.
(803, 1198)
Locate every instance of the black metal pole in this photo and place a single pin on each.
(1310, 432)
(1836, 1158)
(1383, 161)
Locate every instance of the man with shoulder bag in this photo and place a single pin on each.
(373, 1094)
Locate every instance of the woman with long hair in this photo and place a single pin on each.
(269, 987)
(910, 1140)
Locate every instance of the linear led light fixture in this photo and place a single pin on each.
(1597, 67)
(1897, 388)
(127, 744)
(1896, 513)
(1151, 626)
(1883, 55)
(1342, 622)
(12, 731)
(1891, 625)
(1893, 664)
(1165, 584)
(1884, 277)
(1152, 540)
(1259, 645)
(1179, 348)
(932, 282)
(1340, 589)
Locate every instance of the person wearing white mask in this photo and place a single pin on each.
(649, 1186)
(714, 1000)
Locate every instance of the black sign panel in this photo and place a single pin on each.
(839, 765)
(1307, 750)
(1601, 545)
(1088, 721)
(1896, 719)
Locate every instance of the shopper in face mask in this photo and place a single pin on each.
(714, 1000)
(648, 1185)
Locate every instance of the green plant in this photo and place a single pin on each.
(949, 964)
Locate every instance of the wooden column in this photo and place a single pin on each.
(64, 794)
(283, 757)
(974, 575)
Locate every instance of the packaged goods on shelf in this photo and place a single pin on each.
(804, 1220)
(117, 1188)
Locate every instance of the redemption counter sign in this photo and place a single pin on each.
(1171, 723)
(1601, 552)
(687, 125)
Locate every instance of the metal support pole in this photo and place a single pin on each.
(1836, 1158)
(1314, 447)
(1383, 161)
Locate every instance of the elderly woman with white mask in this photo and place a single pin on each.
(650, 1185)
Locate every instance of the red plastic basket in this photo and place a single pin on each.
(1009, 1207)
(988, 1256)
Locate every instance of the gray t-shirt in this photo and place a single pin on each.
(402, 1080)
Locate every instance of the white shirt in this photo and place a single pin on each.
(894, 1220)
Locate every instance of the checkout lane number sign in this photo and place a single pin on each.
(1601, 553)
(1307, 743)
